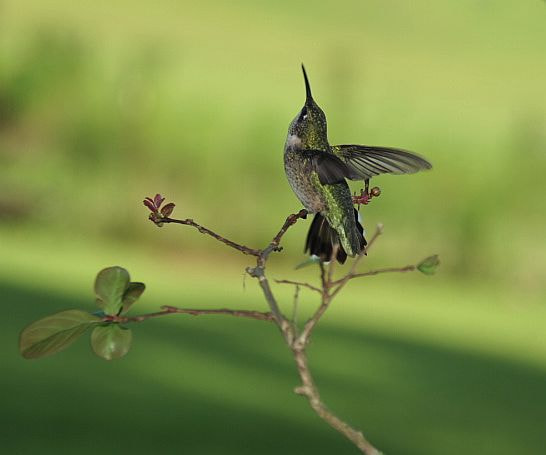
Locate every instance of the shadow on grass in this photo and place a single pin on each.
(222, 385)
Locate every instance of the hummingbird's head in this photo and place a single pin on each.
(308, 129)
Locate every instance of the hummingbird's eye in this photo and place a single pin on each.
(303, 113)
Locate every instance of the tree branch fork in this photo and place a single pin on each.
(296, 338)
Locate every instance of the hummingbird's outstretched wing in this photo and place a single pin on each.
(329, 167)
(365, 161)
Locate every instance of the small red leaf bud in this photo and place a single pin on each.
(167, 210)
(158, 200)
(149, 203)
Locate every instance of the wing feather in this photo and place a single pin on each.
(329, 167)
(365, 161)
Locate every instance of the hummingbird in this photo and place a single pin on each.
(318, 173)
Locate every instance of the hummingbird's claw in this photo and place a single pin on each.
(365, 196)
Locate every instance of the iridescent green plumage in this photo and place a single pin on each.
(317, 172)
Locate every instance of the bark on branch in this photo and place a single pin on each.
(296, 340)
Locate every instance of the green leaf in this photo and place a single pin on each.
(429, 265)
(54, 333)
(110, 286)
(111, 341)
(132, 293)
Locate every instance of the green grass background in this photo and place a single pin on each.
(103, 103)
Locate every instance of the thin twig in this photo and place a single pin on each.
(290, 221)
(323, 276)
(407, 268)
(378, 231)
(343, 281)
(259, 273)
(299, 283)
(203, 230)
(260, 315)
(305, 335)
(326, 282)
(167, 309)
(295, 309)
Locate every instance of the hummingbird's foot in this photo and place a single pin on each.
(365, 196)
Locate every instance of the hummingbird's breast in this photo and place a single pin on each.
(302, 182)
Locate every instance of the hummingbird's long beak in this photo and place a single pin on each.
(307, 86)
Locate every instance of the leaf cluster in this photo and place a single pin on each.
(115, 293)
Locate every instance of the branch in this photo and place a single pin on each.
(407, 268)
(310, 391)
(326, 298)
(203, 230)
(351, 275)
(295, 309)
(288, 329)
(259, 273)
(299, 283)
(290, 221)
(305, 336)
(167, 309)
(308, 387)
(161, 215)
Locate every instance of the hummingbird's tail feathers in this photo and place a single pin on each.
(360, 233)
(357, 242)
(322, 237)
(350, 233)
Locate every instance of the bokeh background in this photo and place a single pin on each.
(103, 103)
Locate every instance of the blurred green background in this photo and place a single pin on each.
(103, 103)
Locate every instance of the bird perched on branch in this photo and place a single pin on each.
(317, 171)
